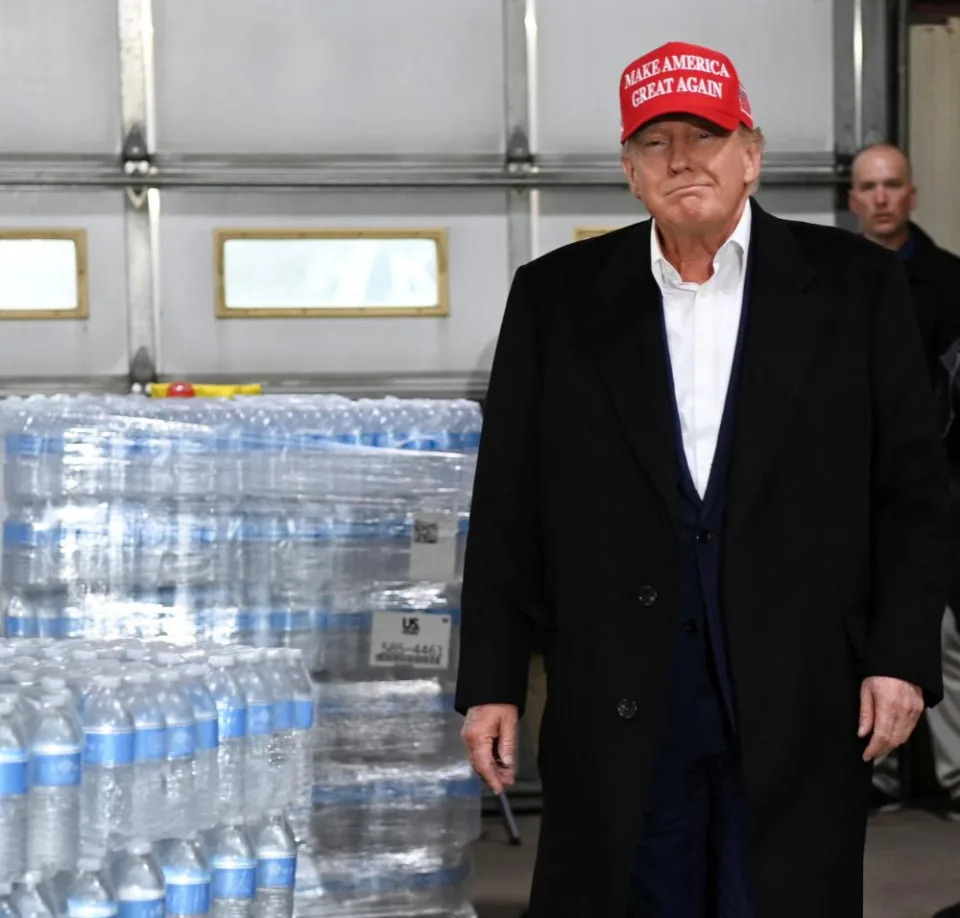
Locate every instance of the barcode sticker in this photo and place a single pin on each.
(433, 555)
(410, 639)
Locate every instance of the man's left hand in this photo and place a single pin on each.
(890, 708)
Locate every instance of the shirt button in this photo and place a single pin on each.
(627, 709)
(690, 627)
(648, 596)
(704, 537)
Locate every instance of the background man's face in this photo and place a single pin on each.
(882, 195)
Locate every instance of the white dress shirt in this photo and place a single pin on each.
(702, 322)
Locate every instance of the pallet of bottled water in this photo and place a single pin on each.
(328, 530)
(272, 521)
(151, 780)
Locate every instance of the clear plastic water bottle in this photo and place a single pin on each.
(108, 754)
(25, 674)
(53, 821)
(139, 883)
(89, 893)
(7, 907)
(187, 877)
(233, 867)
(149, 755)
(303, 716)
(208, 741)
(79, 674)
(181, 745)
(13, 792)
(276, 852)
(32, 897)
(259, 730)
(232, 734)
(282, 753)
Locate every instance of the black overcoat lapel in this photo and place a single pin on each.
(785, 321)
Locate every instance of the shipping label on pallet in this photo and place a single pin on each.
(416, 639)
(433, 555)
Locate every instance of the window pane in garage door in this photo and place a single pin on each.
(43, 274)
(331, 273)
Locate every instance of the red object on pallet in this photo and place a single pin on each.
(181, 390)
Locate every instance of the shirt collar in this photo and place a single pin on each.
(739, 241)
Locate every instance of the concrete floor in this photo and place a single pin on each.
(912, 867)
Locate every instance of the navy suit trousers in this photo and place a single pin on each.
(691, 859)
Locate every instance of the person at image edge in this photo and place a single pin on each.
(711, 480)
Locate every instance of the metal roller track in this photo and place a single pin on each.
(298, 172)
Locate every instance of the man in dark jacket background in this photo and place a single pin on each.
(883, 197)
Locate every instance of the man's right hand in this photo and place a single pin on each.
(490, 735)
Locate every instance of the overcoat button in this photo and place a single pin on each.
(627, 709)
(648, 596)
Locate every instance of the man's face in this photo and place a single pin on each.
(691, 174)
(882, 195)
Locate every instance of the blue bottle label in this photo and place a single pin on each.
(55, 769)
(91, 908)
(149, 744)
(13, 772)
(21, 626)
(188, 894)
(232, 723)
(283, 715)
(207, 733)
(234, 880)
(108, 750)
(303, 715)
(181, 741)
(277, 872)
(259, 719)
(143, 908)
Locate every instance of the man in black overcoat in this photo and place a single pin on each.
(711, 478)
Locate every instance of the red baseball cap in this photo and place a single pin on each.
(679, 78)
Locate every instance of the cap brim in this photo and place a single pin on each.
(668, 106)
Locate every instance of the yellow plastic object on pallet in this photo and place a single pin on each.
(202, 390)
